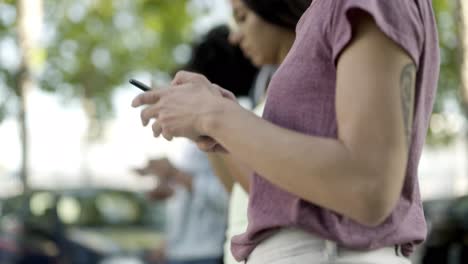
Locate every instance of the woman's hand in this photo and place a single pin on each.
(181, 110)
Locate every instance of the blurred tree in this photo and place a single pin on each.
(94, 46)
(450, 95)
(91, 47)
(8, 67)
(19, 22)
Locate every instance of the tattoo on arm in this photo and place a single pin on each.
(407, 86)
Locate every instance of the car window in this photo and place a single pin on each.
(118, 208)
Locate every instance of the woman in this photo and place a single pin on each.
(337, 150)
(277, 25)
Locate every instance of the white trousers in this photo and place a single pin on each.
(293, 246)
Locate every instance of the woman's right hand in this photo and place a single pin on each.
(208, 144)
(184, 108)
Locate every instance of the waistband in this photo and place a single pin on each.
(290, 242)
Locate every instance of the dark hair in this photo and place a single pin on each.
(284, 13)
(222, 63)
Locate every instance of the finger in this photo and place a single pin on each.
(226, 93)
(166, 135)
(208, 144)
(203, 147)
(150, 97)
(220, 149)
(205, 143)
(183, 77)
(148, 113)
(157, 129)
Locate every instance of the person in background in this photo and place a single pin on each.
(337, 151)
(195, 199)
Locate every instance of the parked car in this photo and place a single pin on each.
(447, 241)
(79, 226)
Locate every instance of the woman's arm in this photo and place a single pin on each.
(360, 174)
(229, 170)
(239, 170)
(221, 171)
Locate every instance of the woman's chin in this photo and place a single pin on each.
(257, 61)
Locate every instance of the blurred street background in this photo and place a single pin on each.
(69, 138)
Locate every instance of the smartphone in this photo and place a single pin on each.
(140, 85)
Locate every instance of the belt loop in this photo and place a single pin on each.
(397, 250)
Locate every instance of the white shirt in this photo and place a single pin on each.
(195, 221)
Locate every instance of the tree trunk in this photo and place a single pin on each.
(462, 15)
(462, 12)
(29, 21)
(22, 82)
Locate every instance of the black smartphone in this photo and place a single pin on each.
(140, 85)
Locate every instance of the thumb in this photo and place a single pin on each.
(225, 93)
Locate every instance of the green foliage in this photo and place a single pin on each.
(449, 27)
(95, 45)
(91, 47)
(8, 73)
(2, 113)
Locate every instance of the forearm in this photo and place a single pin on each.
(220, 169)
(239, 171)
(229, 170)
(325, 171)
